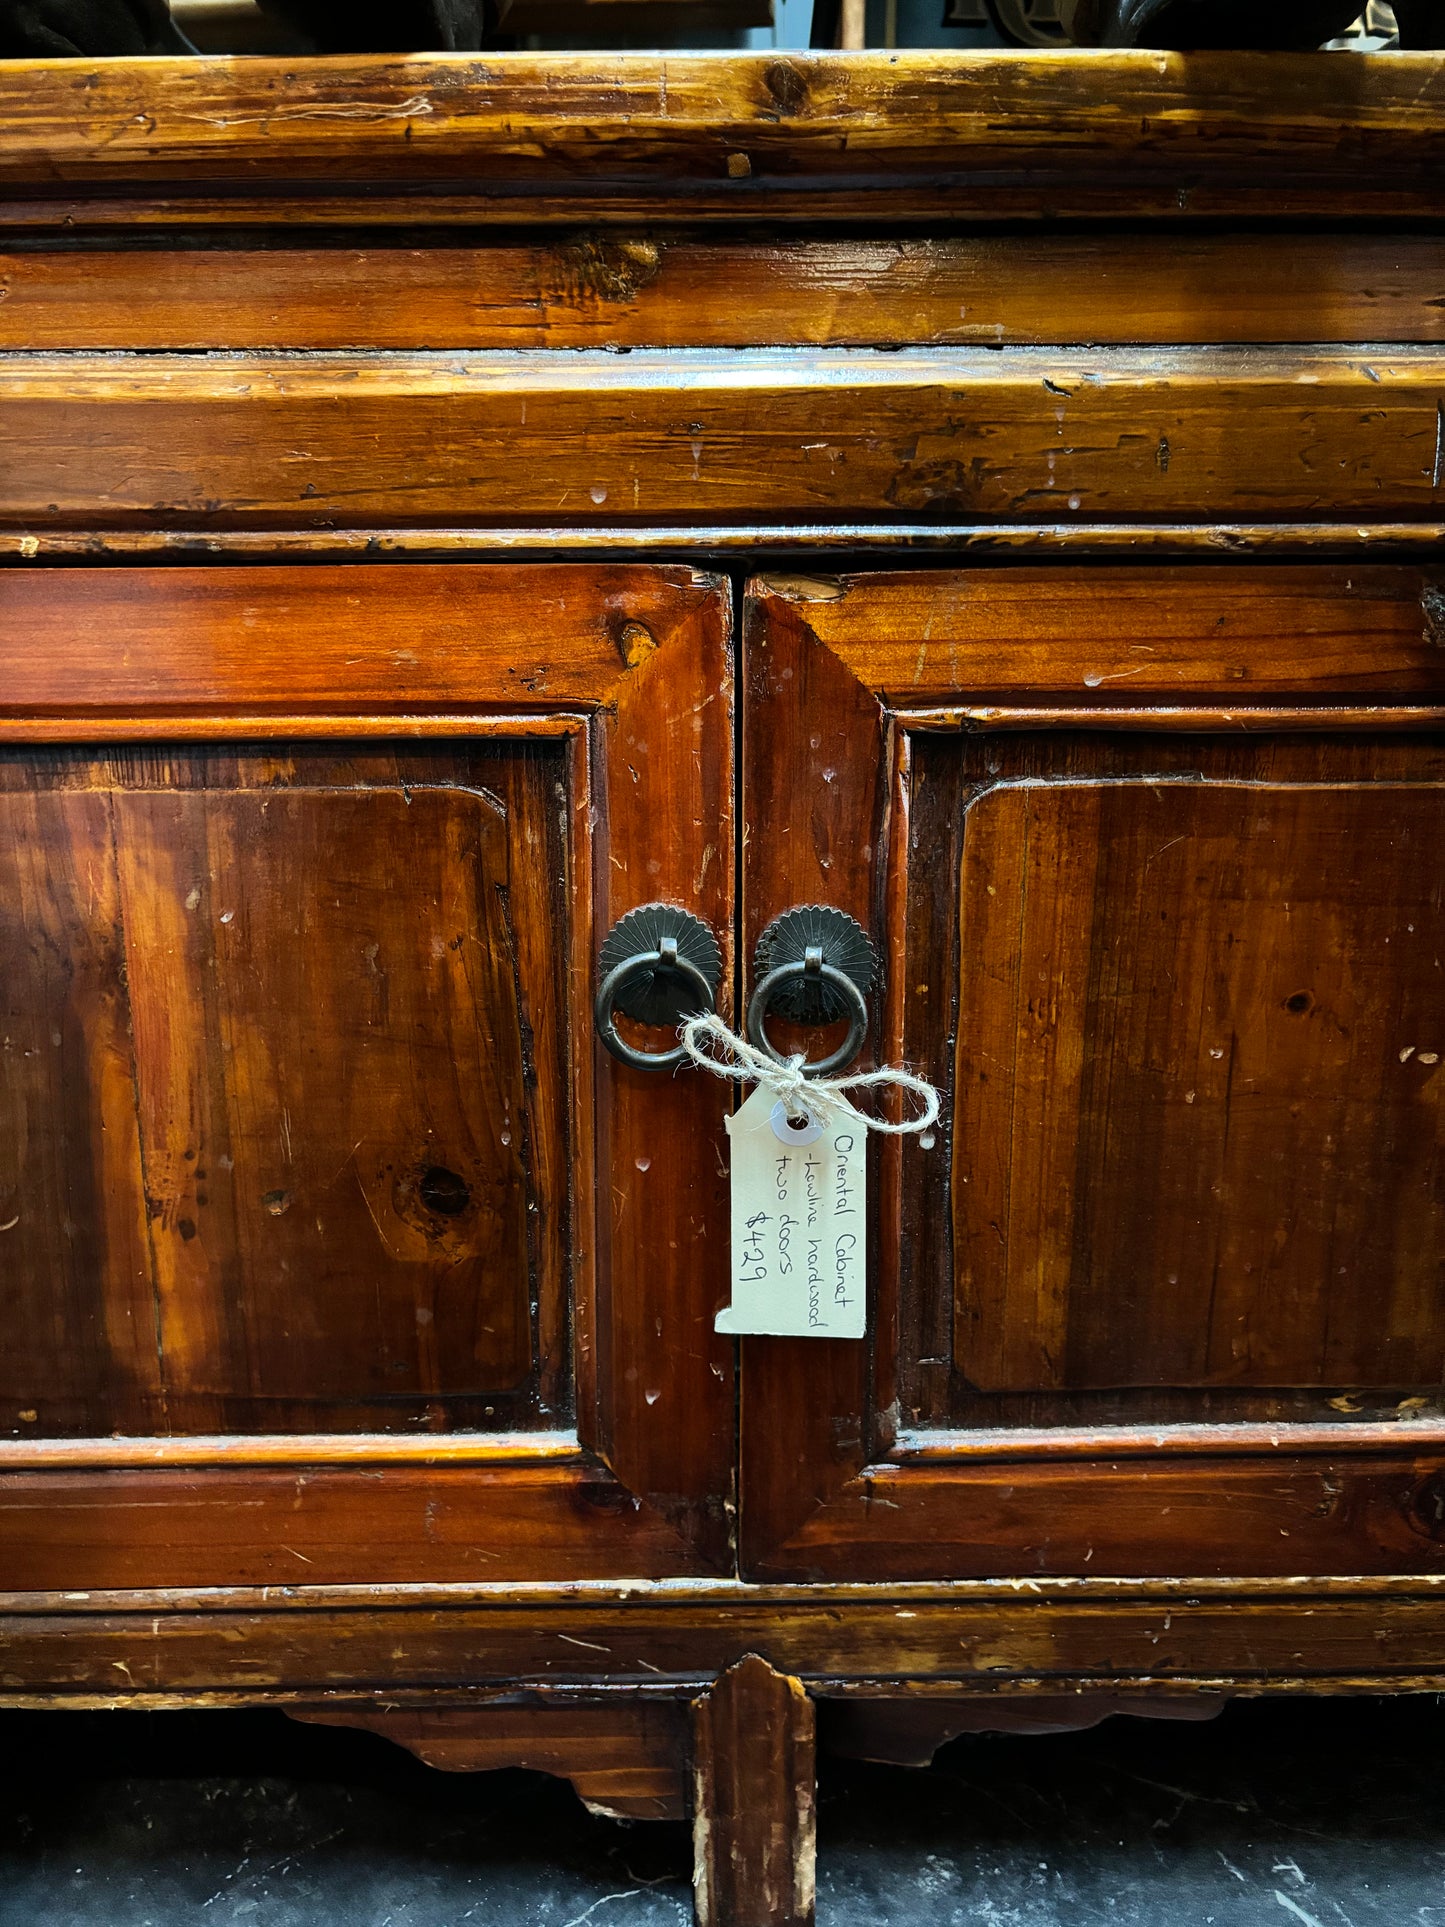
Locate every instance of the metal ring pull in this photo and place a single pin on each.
(815, 965)
(830, 974)
(659, 965)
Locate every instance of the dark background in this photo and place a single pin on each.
(1298, 1813)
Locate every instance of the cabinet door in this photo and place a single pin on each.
(1155, 864)
(332, 1248)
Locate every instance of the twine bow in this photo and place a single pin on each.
(703, 1036)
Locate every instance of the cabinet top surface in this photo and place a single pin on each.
(731, 136)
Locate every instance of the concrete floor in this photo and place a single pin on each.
(1297, 1814)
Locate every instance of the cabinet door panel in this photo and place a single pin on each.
(1196, 1145)
(307, 1156)
(324, 1031)
(1168, 1294)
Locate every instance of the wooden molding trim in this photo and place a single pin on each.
(1107, 1443)
(1026, 1636)
(319, 1448)
(843, 435)
(1178, 716)
(1164, 541)
(1124, 1696)
(184, 726)
(1095, 131)
(661, 288)
(700, 1597)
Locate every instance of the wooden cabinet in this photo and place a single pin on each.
(443, 512)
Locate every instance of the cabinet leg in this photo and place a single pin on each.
(754, 1839)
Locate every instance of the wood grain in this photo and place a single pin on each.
(248, 881)
(664, 795)
(754, 1800)
(355, 1097)
(955, 979)
(1191, 1146)
(659, 288)
(155, 644)
(1015, 1638)
(1308, 1315)
(334, 1135)
(348, 1525)
(1244, 1516)
(80, 1317)
(821, 435)
(626, 1761)
(287, 1448)
(1042, 131)
(1166, 331)
(1125, 635)
(814, 829)
(1301, 1438)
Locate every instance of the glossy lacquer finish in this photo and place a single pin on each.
(1174, 956)
(1197, 1145)
(357, 1351)
(270, 1045)
(305, 1131)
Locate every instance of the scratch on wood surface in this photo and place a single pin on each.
(408, 109)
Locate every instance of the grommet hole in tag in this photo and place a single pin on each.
(794, 1130)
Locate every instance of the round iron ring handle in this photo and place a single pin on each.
(669, 959)
(841, 982)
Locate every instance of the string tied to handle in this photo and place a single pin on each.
(713, 1047)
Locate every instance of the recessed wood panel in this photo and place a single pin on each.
(1119, 1224)
(1199, 1135)
(278, 1140)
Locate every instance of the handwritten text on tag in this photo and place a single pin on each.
(799, 1222)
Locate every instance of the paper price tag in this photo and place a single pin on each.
(799, 1223)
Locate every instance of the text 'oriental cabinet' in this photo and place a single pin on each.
(450, 507)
